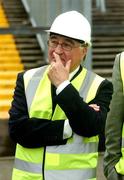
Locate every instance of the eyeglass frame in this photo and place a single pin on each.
(55, 44)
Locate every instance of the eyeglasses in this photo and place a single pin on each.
(67, 46)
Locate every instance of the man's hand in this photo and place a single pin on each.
(58, 73)
(95, 107)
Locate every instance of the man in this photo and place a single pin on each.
(58, 110)
(114, 155)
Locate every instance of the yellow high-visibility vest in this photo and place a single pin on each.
(77, 159)
(120, 165)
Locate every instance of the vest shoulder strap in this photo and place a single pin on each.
(90, 86)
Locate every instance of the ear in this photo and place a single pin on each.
(84, 51)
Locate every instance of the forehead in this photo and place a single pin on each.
(57, 36)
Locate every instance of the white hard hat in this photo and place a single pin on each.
(72, 24)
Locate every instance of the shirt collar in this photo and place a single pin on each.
(73, 73)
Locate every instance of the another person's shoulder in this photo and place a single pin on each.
(119, 60)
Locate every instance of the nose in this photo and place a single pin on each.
(59, 49)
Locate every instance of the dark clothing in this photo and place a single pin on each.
(114, 125)
(84, 120)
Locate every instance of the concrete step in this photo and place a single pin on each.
(31, 58)
(22, 56)
(107, 44)
(103, 71)
(9, 52)
(7, 39)
(113, 12)
(30, 51)
(11, 66)
(101, 38)
(8, 74)
(107, 50)
(24, 39)
(28, 46)
(5, 105)
(32, 65)
(103, 56)
(6, 93)
(6, 59)
(4, 115)
(103, 64)
(7, 83)
(8, 46)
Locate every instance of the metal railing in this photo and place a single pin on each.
(23, 30)
(100, 4)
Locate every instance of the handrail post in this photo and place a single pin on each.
(101, 4)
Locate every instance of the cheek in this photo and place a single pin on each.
(76, 60)
(50, 54)
(69, 55)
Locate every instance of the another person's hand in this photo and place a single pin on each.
(58, 73)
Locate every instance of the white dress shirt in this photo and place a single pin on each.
(67, 128)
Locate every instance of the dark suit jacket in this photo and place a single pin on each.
(83, 119)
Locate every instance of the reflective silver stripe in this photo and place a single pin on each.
(33, 84)
(86, 84)
(122, 142)
(74, 174)
(73, 148)
(28, 166)
(76, 146)
(122, 68)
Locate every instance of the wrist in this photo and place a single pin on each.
(62, 86)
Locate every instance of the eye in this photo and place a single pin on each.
(53, 43)
(67, 46)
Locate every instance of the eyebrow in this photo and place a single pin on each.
(65, 38)
(53, 36)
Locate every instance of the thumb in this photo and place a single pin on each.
(68, 65)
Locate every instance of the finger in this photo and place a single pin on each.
(68, 65)
(95, 107)
(57, 57)
(52, 64)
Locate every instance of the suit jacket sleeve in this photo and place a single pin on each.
(115, 120)
(31, 132)
(83, 119)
